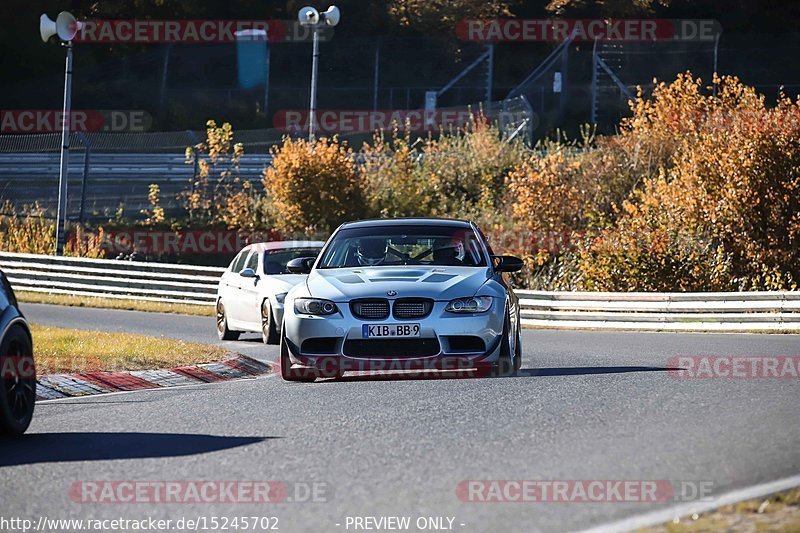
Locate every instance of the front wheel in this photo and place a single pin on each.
(518, 353)
(288, 373)
(269, 332)
(17, 382)
(506, 363)
(223, 332)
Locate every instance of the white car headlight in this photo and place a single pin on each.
(474, 304)
(314, 306)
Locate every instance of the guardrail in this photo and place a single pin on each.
(708, 311)
(691, 311)
(102, 182)
(108, 278)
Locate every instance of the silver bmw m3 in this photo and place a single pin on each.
(401, 294)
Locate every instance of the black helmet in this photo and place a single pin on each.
(371, 251)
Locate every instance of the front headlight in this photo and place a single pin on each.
(475, 304)
(314, 306)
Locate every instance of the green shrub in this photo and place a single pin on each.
(460, 173)
(394, 185)
(216, 195)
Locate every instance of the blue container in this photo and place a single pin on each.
(252, 58)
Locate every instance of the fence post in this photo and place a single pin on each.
(716, 57)
(489, 74)
(164, 78)
(377, 72)
(593, 118)
(564, 70)
(87, 154)
(193, 140)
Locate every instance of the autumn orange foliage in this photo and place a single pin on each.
(709, 187)
(313, 186)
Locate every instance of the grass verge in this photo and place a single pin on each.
(70, 350)
(779, 513)
(114, 303)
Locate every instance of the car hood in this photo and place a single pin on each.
(284, 282)
(439, 282)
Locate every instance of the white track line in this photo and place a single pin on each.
(663, 516)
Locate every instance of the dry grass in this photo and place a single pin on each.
(777, 513)
(69, 350)
(114, 303)
(28, 230)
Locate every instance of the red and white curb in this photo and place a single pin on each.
(53, 386)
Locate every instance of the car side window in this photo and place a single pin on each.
(238, 263)
(252, 261)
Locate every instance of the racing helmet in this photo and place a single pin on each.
(451, 249)
(371, 251)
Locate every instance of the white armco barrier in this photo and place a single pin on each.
(695, 311)
(109, 278)
(679, 311)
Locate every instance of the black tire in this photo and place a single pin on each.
(305, 375)
(18, 382)
(269, 331)
(505, 364)
(518, 353)
(223, 332)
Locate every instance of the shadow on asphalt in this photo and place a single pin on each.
(589, 370)
(523, 373)
(58, 447)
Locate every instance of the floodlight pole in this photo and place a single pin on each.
(313, 104)
(63, 174)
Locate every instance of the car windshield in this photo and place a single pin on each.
(275, 260)
(404, 245)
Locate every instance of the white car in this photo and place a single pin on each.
(251, 291)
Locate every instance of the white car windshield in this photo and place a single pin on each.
(404, 245)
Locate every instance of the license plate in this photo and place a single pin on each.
(369, 331)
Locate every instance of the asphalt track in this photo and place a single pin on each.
(587, 406)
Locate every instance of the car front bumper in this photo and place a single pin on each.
(446, 340)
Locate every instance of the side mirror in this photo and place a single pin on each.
(248, 273)
(507, 263)
(300, 265)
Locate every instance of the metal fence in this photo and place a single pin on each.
(106, 185)
(593, 82)
(703, 311)
(110, 173)
(158, 282)
(713, 311)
